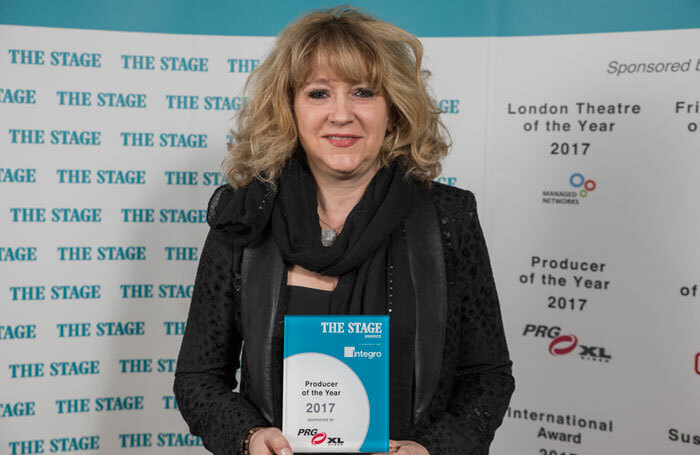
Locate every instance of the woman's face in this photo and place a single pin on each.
(341, 126)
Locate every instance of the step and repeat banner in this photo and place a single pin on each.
(583, 151)
(592, 187)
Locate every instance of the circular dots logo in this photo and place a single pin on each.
(318, 438)
(563, 344)
(577, 180)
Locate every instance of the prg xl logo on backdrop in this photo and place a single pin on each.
(563, 344)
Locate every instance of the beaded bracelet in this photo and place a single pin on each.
(246, 443)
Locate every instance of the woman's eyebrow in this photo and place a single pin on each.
(319, 81)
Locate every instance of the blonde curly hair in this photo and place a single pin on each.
(357, 48)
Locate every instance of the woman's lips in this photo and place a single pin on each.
(340, 140)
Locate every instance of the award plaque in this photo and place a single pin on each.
(336, 383)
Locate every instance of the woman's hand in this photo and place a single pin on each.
(269, 441)
(406, 448)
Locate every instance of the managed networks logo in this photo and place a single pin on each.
(579, 188)
(578, 181)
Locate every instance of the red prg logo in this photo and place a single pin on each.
(563, 344)
(318, 438)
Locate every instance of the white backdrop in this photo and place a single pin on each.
(598, 288)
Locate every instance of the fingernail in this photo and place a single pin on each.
(286, 451)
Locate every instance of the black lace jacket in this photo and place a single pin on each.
(475, 381)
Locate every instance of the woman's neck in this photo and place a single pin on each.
(336, 198)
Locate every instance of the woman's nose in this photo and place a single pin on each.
(341, 110)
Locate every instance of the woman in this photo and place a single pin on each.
(330, 210)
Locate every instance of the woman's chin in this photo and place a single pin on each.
(347, 169)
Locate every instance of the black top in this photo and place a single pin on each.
(302, 300)
(474, 376)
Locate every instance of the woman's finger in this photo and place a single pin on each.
(393, 448)
(278, 444)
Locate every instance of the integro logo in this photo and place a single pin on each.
(351, 352)
(580, 187)
(563, 344)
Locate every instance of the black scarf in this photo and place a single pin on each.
(368, 256)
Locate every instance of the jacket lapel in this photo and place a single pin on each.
(262, 272)
(427, 268)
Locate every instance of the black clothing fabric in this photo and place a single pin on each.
(359, 254)
(302, 300)
(474, 377)
(367, 248)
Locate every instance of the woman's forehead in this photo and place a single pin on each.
(329, 70)
(327, 76)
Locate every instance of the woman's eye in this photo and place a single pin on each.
(364, 92)
(317, 94)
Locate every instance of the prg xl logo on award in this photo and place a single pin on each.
(319, 438)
